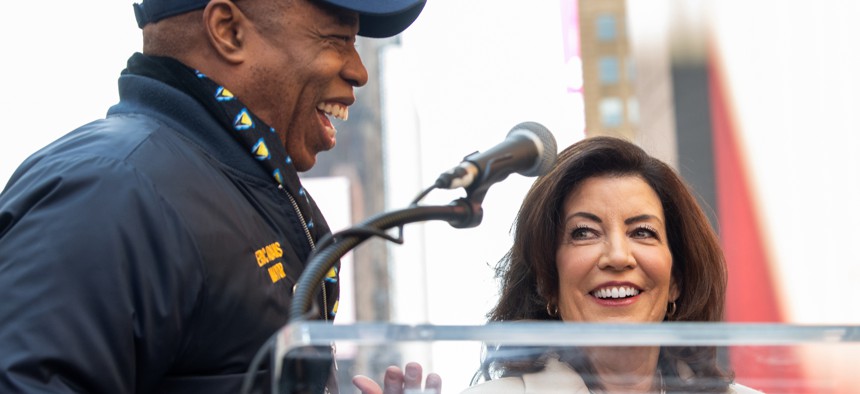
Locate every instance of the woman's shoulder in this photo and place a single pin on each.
(503, 385)
(556, 377)
(736, 388)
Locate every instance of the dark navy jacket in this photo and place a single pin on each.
(145, 252)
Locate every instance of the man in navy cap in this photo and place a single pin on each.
(156, 250)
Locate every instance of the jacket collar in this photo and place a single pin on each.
(187, 116)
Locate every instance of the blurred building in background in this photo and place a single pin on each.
(657, 73)
(608, 69)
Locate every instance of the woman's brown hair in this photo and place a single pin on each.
(529, 278)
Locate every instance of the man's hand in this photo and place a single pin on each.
(397, 381)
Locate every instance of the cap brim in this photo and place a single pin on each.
(382, 18)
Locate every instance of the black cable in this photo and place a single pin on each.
(267, 348)
(365, 232)
(369, 231)
(423, 194)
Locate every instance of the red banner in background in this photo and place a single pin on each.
(752, 296)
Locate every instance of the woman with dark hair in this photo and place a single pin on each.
(610, 235)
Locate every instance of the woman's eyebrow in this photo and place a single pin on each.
(642, 218)
(586, 215)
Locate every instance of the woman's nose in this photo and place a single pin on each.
(616, 254)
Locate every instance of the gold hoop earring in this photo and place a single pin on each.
(670, 312)
(551, 310)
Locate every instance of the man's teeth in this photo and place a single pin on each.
(338, 111)
(616, 292)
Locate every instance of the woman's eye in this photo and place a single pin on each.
(644, 232)
(581, 233)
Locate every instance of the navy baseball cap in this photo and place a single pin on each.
(377, 18)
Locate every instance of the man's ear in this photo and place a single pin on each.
(226, 29)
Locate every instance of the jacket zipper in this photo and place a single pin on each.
(311, 242)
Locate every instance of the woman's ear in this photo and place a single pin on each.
(674, 291)
(227, 29)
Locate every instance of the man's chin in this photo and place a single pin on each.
(308, 157)
(304, 165)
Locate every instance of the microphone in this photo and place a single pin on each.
(529, 149)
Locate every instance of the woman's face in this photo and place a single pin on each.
(613, 259)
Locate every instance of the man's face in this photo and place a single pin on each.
(303, 74)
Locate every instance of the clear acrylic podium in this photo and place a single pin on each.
(774, 358)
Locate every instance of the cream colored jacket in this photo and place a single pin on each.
(558, 378)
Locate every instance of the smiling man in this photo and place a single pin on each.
(156, 250)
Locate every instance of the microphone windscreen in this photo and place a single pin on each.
(548, 149)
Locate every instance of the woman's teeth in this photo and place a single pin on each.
(615, 292)
(338, 111)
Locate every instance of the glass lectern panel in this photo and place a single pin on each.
(692, 357)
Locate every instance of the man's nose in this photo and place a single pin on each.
(354, 70)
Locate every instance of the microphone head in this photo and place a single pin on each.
(545, 143)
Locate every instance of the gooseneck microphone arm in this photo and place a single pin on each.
(460, 213)
(529, 149)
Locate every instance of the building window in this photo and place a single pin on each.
(608, 70)
(631, 69)
(606, 27)
(611, 112)
(633, 110)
